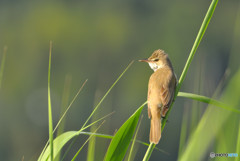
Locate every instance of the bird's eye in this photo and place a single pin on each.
(156, 59)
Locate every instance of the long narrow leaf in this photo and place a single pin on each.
(2, 65)
(64, 103)
(186, 67)
(70, 105)
(110, 137)
(75, 156)
(62, 139)
(100, 102)
(192, 53)
(58, 143)
(120, 142)
(134, 140)
(98, 105)
(64, 114)
(50, 124)
(208, 100)
(238, 143)
(183, 134)
(212, 122)
(197, 41)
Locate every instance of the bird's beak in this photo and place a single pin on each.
(144, 60)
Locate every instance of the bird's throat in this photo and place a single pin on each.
(155, 66)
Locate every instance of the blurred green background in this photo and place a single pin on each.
(96, 40)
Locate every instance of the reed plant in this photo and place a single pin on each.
(191, 149)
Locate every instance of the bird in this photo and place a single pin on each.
(161, 89)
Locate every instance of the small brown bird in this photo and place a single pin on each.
(161, 89)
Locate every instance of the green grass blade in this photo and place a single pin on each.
(186, 67)
(91, 147)
(212, 122)
(183, 134)
(50, 123)
(208, 101)
(64, 105)
(198, 40)
(192, 53)
(70, 105)
(91, 155)
(106, 136)
(58, 143)
(44, 153)
(39, 159)
(92, 142)
(133, 142)
(110, 137)
(238, 143)
(96, 121)
(62, 139)
(120, 142)
(100, 102)
(196, 109)
(75, 156)
(146, 144)
(149, 152)
(80, 131)
(3, 64)
(98, 105)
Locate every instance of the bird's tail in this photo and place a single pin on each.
(155, 130)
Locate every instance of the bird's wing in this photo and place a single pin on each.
(149, 108)
(167, 93)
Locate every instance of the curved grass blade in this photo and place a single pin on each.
(98, 105)
(75, 156)
(186, 67)
(70, 105)
(100, 102)
(91, 154)
(149, 152)
(64, 105)
(44, 153)
(134, 140)
(50, 124)
(183, 133)
(62, 139)
(208, 101)
(58, 143)
(201, 32)
(64, 102)
(62, 118)
(120, 142)
(238, 143)
(197, 41)
(3, 64)
(110, 137)
(213, 122)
